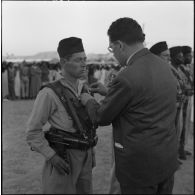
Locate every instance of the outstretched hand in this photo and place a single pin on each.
(98, 88)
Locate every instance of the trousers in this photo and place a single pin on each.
(24, 87)
(179, 121)
(114, 186)
(186, 121)
(164, 187)
(79, 181)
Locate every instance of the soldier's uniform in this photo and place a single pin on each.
(186, 110)
(177, 59)
(159, 49)
(180, 100)
(48, 107)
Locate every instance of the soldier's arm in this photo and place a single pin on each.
(42, 109)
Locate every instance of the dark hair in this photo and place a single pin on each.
(126, 30)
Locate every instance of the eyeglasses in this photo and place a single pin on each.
(110, 49)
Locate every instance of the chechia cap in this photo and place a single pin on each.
(159, 47)
(175, 50)
(69, 46)
(186, 49)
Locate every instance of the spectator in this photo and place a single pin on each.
(11, 81)
(4, 80)
(17, 86)
(44, 73)
(35, 78)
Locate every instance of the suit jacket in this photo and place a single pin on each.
(141, 105)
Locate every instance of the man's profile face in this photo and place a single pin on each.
(178, 59)
(115, 48)
(165, 55)
(188, 58)
(76, 65)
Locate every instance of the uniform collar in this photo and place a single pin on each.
(67, 84)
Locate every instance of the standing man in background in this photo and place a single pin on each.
(24, 78)
(11, 80)
(35, 80)
(187, 75)
(141, 105)
(161, 49)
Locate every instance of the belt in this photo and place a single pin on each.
(69, 140)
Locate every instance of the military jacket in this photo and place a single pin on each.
(48, 110)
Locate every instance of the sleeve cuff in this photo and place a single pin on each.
(48, 153)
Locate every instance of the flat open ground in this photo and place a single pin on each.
(22, 168)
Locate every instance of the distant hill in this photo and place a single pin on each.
(50, 55)
(42, 56)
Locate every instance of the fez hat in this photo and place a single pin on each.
(175, 50)
(69, 46)
(159, 47)
(186, 49)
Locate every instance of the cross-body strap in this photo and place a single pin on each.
(187, 74)
(63, 94)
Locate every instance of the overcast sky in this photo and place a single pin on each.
(29, 27)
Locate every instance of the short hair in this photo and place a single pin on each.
(126, 30)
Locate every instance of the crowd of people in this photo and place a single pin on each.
(24, 80)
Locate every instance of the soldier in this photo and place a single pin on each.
(187, 75)
(161, 49)
(24, 78)
(67, 146)
(141, 105)
(11, 80)
(176, 61)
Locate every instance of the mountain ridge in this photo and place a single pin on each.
(50, 55)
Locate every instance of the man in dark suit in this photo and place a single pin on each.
(141, 105)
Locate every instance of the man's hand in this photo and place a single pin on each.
(85, 88)
(60, 164)
(98, 88)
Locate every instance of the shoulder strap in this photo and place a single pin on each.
(187, 74)
(63, 95)
(179, 79)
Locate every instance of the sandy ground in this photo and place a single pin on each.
(21, 168)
